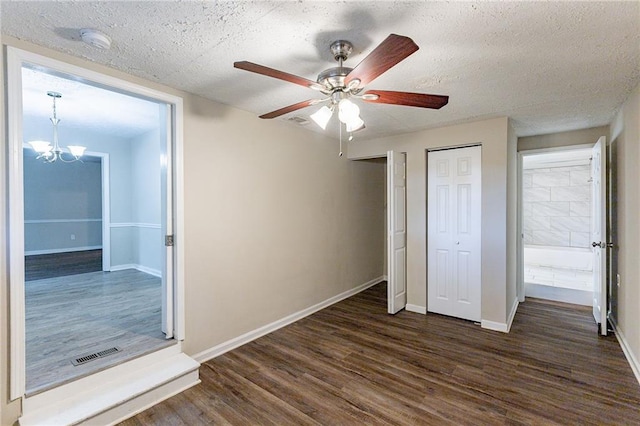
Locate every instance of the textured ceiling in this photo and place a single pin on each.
(551, 66)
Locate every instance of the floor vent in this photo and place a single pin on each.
(90, 357)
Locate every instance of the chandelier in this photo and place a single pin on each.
(49, 153)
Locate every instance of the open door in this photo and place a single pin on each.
(599, 233)
(167, 222)
(397, 231)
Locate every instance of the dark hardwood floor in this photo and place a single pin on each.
(354, 364)
(42, 266)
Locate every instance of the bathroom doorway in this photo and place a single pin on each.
(557, 218)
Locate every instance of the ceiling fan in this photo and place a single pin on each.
(341, 83)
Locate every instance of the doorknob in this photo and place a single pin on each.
(457, 243)
(598, 244)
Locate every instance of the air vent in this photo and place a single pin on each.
(90, 357)
(299, 120)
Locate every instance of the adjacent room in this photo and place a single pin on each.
(338, 212)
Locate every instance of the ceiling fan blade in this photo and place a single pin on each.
(281, 75)
(421, 100)
(290, 108)
(390, 52)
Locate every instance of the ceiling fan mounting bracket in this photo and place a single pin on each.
(341, 49)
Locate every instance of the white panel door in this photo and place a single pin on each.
(397, 231)
(454, 229)
(599, 233)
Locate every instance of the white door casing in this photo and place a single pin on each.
(599, 236)
(16, 59)
(397, 231)
(454, 230)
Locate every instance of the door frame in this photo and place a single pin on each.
(520, 286)
(15, 59)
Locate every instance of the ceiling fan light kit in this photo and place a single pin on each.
(340, 83)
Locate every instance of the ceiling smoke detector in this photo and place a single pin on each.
(95, 38)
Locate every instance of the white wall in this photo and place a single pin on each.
(625, 138)
(61, 201)
(498, 207)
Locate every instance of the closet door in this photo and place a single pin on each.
(453, 232)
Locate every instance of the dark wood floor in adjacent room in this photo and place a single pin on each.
(43, 266)
(354, 364)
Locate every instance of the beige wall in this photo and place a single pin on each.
(554, 140)
(625, 135)
(492, 134)
(275, 221)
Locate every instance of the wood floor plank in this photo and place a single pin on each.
(352, 363)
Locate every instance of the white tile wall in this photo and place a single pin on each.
(557, 206)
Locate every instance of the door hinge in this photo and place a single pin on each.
(168, 240)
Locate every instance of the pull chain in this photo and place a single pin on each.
(340, 125)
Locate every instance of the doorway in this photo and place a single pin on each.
(132, 305)
(557, 215)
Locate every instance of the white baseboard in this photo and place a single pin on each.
(512, 314)
(416, 308)
(231, 344)
(495, 326)
(146, 270)
(61, 250)
(628, 353)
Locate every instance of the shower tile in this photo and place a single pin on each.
(527, 180)
(552, 178)
(537, 194)
(580, 239)
(550, 208)
(580, 208)
(552, 238)
(580, 176)
(528, 236)
(571, 193)
(572, 223)
(537, 223)
(527, 209)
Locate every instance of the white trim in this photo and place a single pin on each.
(145, 269)
(17, 354)
(61, 250)
(512, 314)
(495, 326)
(626, 349)
(416, 308)
(106, 209)
(15, 59)
(61, 221)
(135, 225)
(231, 344)
(520, 286)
